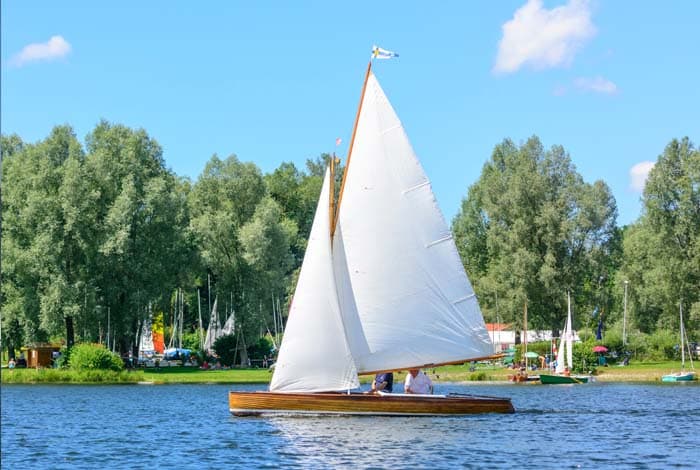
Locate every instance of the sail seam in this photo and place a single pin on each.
(441, 240)
(386, 131)
(463, 299)
(418, 186)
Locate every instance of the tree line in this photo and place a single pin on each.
(97, 237)
(530, 229)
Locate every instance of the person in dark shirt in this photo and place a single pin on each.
(383, 382)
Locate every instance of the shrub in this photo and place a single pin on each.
(225, 348)
(94, 357)
(478, 377)
(260, 349)
(664, 344)
(585, 359)
(63, 359)
(190, 341)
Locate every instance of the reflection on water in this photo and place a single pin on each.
(189, 426)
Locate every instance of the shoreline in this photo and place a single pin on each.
(648, 372)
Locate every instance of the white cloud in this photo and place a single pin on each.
(639, 174)
(54, 48)
(544, 38)
(597, 85)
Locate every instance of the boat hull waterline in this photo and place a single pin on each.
(264, 403)
(679, 377)
(563, 379)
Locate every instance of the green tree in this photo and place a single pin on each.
(530, 228)
(662, 250)
(44, 236)
(141, 218)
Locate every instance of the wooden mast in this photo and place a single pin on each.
(525, 334)
(331, 197)
(334, 217)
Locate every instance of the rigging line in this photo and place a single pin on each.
(467, 297)
(386, 131)
(418, 186)
(441, 240)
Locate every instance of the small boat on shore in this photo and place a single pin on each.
(563, 379)
(683, 375)
(381, 288)
(565, 361)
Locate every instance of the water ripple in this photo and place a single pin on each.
(188, 426)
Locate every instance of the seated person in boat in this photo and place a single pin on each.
(383, 382)
(418, 382)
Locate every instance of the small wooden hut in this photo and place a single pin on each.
(40, 354)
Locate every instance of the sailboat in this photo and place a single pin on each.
(381, 288)
(683, 375)
(146, 348)
(565, 353)
(213, 330)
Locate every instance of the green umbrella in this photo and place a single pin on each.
(531, 355)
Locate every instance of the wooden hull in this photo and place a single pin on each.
(258, 403)
(679, 377)
(563, 379)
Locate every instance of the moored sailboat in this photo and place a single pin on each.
(565, 362)
(684, 375)
(381, 288)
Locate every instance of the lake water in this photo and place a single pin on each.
(189, 426)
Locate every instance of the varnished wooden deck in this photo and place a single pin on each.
(256, 403)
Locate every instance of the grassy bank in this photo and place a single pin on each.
(636, 372)
(26, 376)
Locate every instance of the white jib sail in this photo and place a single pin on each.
(397, 266)
(229, 326)
(314, 355)
(214, 329)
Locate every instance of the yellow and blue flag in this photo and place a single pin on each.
(379, 53)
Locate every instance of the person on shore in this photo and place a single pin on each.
(417, 382)
(11, 363)
(383, 382)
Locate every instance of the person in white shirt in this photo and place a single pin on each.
(418, 382)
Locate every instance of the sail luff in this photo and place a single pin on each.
(334, 219)
(331, 197)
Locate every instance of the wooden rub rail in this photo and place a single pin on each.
(255, 403)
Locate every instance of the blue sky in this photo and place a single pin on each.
(611, 81)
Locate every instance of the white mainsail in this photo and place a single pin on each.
(399, 270)
(314, 355)
(146, 347)
(390, 292)
(566, 343)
